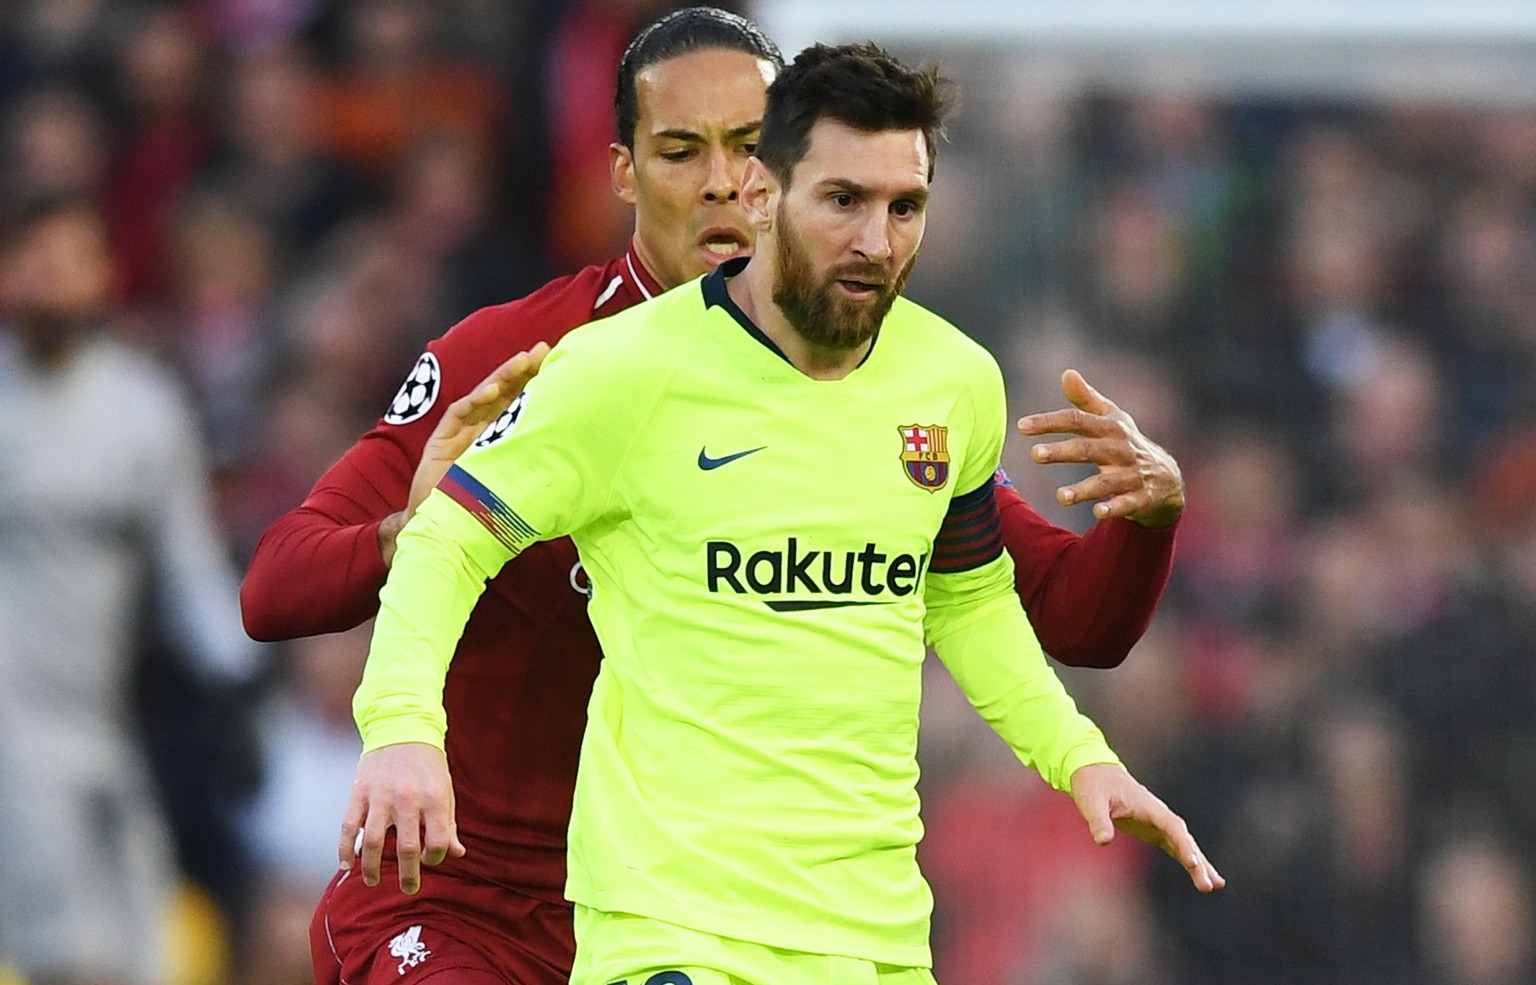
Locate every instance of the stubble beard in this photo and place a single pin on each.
(811, 307)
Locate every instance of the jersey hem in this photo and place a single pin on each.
(752, 932)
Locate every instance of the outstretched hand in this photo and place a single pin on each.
(1136, 480)
(405, 787)
(464, 421)
(1108, 797)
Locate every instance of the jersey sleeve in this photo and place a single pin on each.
(1089, 598)
(547, 476)
(318, 568)
(975, 623)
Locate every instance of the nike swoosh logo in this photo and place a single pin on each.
(706, 463)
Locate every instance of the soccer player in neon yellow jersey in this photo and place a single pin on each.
(780, 480)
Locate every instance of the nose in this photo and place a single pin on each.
(873, 239)
(722, 182)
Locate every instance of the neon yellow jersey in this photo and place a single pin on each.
(767, 554)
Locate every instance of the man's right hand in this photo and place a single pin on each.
(464, 421)
(405, 787)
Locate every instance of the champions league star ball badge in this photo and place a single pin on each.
(925, 453)
(503, 425)
(418, 393)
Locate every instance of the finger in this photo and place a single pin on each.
(1204, 874)
(497, 391)
(1085, 396)
(1095, 810)
(1092, 451)
(1113, 483)
(517, 371)
(442, 838)
(374, 830)
(408, 850)
(351, 824)
(1123, 505)
(1180, 844)
(1067, 421)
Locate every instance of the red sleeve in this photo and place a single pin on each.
(318, 568)
(1090, 598)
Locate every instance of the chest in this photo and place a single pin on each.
(827, 464)
(71, 457)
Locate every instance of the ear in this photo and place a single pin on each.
(621, 172)
(759, 194)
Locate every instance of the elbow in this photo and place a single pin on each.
(1097, 651)
(260, 622)
(1094, 658)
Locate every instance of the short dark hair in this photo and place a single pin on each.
(861, 85)
(678, 33)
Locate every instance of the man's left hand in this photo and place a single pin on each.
(1136, 480)
(1109, 797)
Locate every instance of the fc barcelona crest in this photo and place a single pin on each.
(925, 453)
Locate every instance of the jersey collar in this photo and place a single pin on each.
(644, 281)
(716, 295)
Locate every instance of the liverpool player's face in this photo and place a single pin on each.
(698, 123)
(847, 229)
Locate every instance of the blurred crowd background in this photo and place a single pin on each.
(1325, 308)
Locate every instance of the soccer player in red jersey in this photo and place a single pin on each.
(690, 97)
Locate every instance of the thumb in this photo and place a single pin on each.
(1084, 396)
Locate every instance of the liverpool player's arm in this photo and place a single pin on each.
(1090, 598)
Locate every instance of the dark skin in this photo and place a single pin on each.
(1137, 480)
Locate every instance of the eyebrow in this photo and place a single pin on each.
(690, 136)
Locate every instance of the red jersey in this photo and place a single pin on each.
(518, 685)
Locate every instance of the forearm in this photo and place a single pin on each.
(1090, 598)
(318, 568)
(432, 587)
(994, 657)
(310, 575)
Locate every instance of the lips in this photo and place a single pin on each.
(861, 282)
(723, 242)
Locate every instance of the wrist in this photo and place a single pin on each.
(389, 529)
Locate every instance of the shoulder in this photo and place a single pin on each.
(495, 332)
(935, 338)
(647, 333)
(142, 385)
(148, 403)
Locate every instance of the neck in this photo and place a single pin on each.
(752, 290)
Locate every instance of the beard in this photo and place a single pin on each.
(820, 317)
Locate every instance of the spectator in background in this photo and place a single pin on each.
(395, 86)
(1479, 921)
(222, 282)
(268, 156)
(309, 744)
(103, 507)
(56, 145)
(165, 139)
